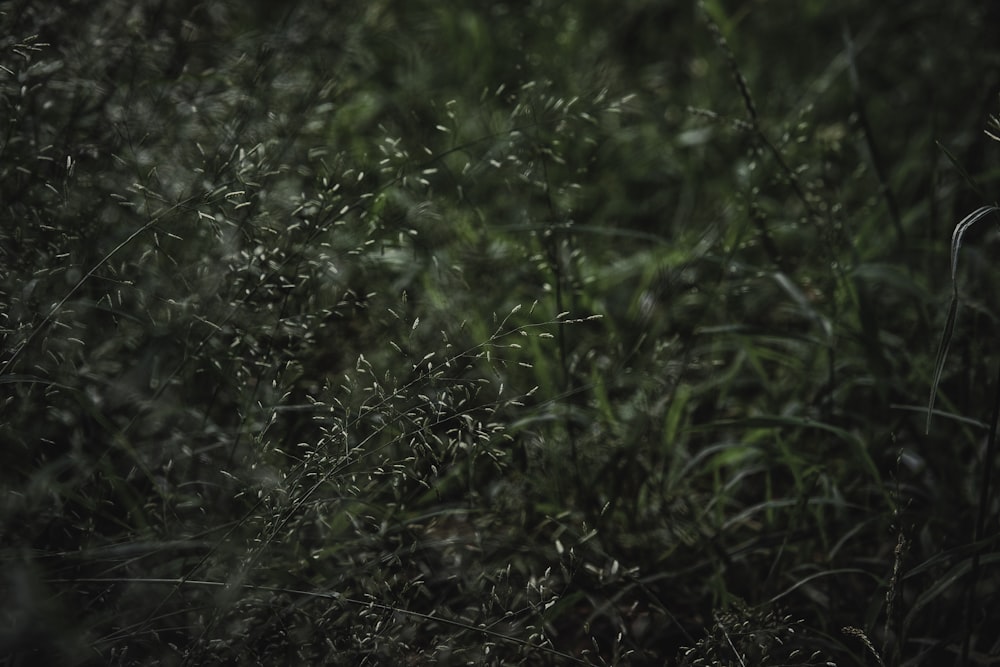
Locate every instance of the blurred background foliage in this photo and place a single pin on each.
(447, 332)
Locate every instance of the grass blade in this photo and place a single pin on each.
(956, 244)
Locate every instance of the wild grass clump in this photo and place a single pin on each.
(419, 333)
(751, 637)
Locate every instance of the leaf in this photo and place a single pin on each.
(942, 585)
(956, 244)
(961, 170)
(778, 421)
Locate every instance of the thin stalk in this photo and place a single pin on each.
(984, 496)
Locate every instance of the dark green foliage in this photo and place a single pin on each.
(438, 333)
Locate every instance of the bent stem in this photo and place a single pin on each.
(956, 244)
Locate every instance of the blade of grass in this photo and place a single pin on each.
(799, 422)
(956, 244)
(961, 170)
(481, 629)
(942, 586)
(984, 498)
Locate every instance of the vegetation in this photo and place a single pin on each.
(443, 333)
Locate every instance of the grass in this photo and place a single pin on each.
(417, 333)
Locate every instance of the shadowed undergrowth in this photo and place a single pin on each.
(418, 333)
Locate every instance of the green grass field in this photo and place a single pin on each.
(404, 333)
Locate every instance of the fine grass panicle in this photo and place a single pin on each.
(744, 636)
